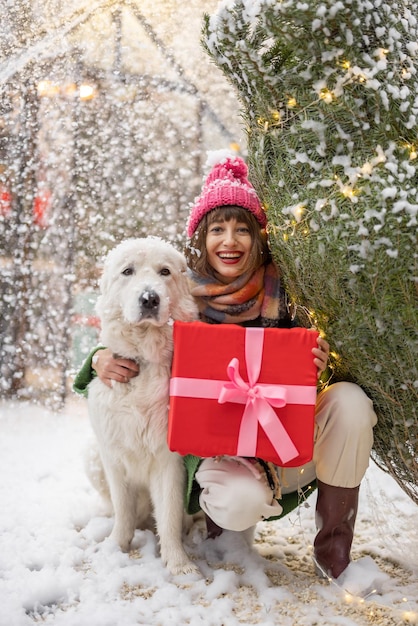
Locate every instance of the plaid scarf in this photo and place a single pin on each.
(247, 298)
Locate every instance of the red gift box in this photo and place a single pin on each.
(243, 391)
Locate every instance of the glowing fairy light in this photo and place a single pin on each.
(326, 95)
(49, 89)
(263, 123)
(46, 88)
(291, 103)
(86, 92)
(70, 90)
(345, 64)
(320, 204)
(382, 52)
(412, 149)
(348, 192)
(298, 212)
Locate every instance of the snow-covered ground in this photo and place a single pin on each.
(57, 568)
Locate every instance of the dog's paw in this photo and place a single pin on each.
(179, 563)
(184, 568)
(121, 539)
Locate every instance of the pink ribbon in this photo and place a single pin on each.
(259, 399)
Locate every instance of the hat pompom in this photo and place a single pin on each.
(213, 157)
(237, 167)
(231, 169)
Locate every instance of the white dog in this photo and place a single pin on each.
(143, 289)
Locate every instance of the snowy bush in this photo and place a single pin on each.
(329, 95)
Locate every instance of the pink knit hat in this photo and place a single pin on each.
(226, 185)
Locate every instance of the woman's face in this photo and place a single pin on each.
(228, 246)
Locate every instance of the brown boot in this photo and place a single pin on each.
(336, 511)
(213, 530)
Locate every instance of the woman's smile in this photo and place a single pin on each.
(228, 246)
(230, 257)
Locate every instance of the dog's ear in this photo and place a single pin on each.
(107, 277)
(105, 283)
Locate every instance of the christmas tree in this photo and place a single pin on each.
(329, 98)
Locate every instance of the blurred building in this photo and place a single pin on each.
(107, 110)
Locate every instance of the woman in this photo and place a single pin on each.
(234, 280)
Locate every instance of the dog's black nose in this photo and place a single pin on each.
(149, 301)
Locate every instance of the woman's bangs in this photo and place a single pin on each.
(227, 213)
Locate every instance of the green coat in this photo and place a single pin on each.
(86, 374)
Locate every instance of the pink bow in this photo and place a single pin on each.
(259, 400)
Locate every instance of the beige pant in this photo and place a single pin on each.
(344, 421)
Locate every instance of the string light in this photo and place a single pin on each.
(361, 78)
(345, 64)
(87, 92)
(275, 118)
(349, 192)
(261, 121)
(327, 95)
(291, 103)
(298, 212)
(47, 89)
(70, 90)
(410, 616)
(382, 52)
(412, 149)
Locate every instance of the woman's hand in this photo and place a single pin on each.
(321, 354)
(111, 368)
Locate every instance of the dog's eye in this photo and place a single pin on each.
(165, 271)
(128, 271)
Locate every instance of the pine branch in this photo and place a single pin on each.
(329, 96)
